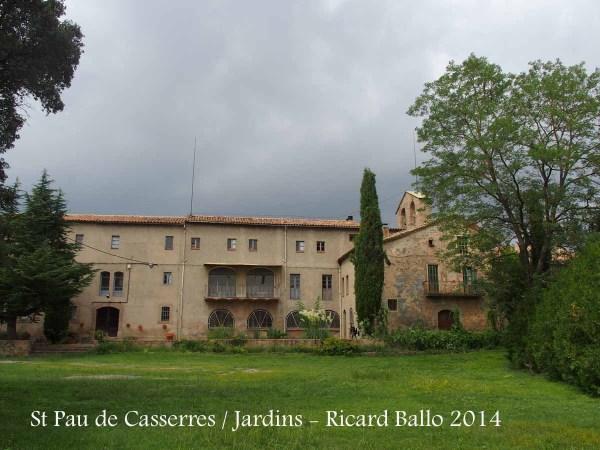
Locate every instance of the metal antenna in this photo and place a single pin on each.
(193, 177)
(415, 153)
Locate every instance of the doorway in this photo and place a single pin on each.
(445, 320)
(107, 319)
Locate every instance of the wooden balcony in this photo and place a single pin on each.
(450, 289)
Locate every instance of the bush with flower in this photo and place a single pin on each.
(314, 321)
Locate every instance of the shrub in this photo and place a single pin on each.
(99, 335)
(275, 333)
(460, 340)
(221, 333)
(333, 346)
(563, 340)
(218, 347)
(126, 345)
(185, 345)
(239, 340)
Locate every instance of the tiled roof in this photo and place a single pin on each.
(144, 220)
(275, 221)
(226, 220)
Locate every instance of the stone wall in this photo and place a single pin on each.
(405, 278)
(15, 348)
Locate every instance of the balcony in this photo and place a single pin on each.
(450, 289)
(215, 292)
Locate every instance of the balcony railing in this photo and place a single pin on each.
(218, 292)
(450, 289)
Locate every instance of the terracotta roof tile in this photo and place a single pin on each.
(96, 218)
(226, 220)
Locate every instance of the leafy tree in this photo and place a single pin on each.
(518, 155)
(368, 256)
(40, 274)
(38, 57)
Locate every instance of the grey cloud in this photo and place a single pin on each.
(289, 101)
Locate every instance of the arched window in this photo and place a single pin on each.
(351, 317)
(403, 219)
(222, 282)
(445, 319)
(292, 320)
(333, 320)
(220, 318)
(260, 318)
(104, 283)
(118, 284)
(413, 214)
(260, 283)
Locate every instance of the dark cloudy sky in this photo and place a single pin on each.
(289, 100)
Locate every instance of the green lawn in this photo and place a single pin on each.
(534, 412)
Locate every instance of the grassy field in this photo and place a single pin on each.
(534, 412)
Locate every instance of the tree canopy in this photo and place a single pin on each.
(38, 271)
(368, 256)
(38, 57)
(516, 154)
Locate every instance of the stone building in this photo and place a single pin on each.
(419, 286)
(187, 275)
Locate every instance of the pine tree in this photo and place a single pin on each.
(41, 274)
(369, 257)
(9, 210)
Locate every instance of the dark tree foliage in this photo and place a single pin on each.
(39, 273)
(38, 57)
(563, 340)
(368, 256)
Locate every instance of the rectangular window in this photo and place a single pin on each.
(294, 286)
(343, 285)
(462, 244)
(253, 245)
(104, 283)
(165, 313)
(352, 237)
(392, 304)
(231, 244)
(167, 277)
(79, 239)
(320, 246)
(326, 287)
(115, 242)
(168, 242)
(195, 243)
(73, 312)
(299, 246)
(432, 278)
(468, 280)
(347, 285)
(118, 284)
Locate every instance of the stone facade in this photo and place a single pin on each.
(412, 298)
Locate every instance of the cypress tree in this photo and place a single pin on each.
(41, 274)
(369, 257)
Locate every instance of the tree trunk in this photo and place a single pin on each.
(11, 328)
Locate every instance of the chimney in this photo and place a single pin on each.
(350, 218)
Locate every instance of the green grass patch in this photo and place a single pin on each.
(534, 412)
